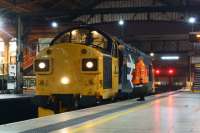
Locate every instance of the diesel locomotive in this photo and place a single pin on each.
(85, 65)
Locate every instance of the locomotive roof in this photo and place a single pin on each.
(105, 34)
(91, 28)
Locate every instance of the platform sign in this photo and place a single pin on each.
(12, 70)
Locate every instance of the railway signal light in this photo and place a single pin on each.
(165, 72)
(157, 72)
(171, 71)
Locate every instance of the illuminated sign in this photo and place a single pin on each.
(170, 57)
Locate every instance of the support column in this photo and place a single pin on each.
(19, 64)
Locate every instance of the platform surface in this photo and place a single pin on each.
(177, 113)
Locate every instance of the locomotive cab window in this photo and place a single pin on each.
(84, 36)
(114, 52)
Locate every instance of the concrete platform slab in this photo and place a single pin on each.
(178, 113)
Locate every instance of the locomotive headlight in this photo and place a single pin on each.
(41, 65)
(89, 64)
(64, 80)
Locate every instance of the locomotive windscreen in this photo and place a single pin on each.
(83, 36)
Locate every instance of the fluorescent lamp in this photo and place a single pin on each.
(170, 57)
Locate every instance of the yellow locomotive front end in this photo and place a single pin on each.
(72, 69)
(75, 70)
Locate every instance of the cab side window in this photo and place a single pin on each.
(114, 51)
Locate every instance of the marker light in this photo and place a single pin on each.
(89, 64)
(170, 57)
(64, 80)
(42, 65)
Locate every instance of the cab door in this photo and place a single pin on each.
(111, 73)
(115, 68)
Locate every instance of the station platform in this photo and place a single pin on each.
(174, 112)
(13, 96)
(16, 107)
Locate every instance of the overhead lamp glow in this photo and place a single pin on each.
(54, 24)
(198, 35)
(89, 64)
(95, 33)
(151, 54)
(192, 20)
(74, 32)
(121, 22)
(170, 57)
(64, 80)
(42, 65)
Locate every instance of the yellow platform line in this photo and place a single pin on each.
(104, 119)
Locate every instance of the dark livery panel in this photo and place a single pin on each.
(130, 56)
